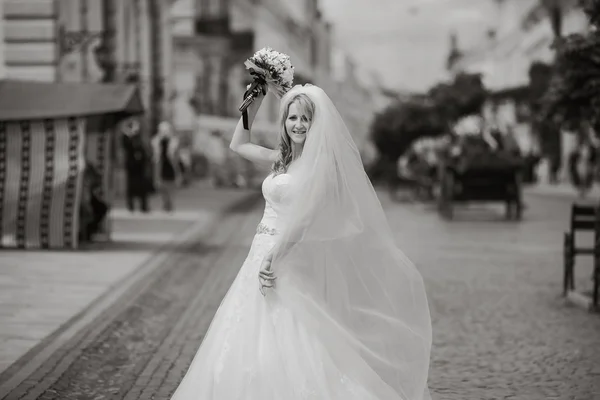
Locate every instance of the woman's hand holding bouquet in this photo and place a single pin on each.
(271, 70)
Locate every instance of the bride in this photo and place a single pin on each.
(325, 306)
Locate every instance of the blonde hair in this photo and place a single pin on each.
(307, 107)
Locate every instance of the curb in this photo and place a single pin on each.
(129, 287)
(571, 195)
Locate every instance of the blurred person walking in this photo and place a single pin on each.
(167, 170)
(216, 152)
(583, 164)
(137, 161)
(93, 208)
(185, 162)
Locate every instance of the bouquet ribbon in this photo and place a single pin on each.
(250, 95)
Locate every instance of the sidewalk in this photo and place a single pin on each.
(563, 190)
(40, 291)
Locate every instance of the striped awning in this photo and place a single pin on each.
(28, 100)
(41, 164)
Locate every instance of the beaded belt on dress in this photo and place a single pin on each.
(262, 228)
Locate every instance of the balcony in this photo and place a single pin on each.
(35, 30)
(242, 42)
(43, 9)
(212, 26)
(33, 54)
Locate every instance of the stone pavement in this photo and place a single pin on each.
(140, 346)
(501, 328)
(45, 297)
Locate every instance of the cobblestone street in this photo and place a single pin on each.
(501, 329)
(150, 150)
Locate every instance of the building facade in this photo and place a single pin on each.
(2, 45)
(91, 41)
(29, 40)
(525, 34)
(351, 95)
(213, 38)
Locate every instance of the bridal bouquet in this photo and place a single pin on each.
(269, 68)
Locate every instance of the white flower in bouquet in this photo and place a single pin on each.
(272, 68)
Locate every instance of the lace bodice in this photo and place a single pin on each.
(273, 189)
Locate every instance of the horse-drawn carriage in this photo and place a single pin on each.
(473, 171)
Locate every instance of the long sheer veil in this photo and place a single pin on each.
(340, 270)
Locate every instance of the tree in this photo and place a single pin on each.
(555, 12)
(395, 129)
(574, 92)
(463, 96)
(539, 78)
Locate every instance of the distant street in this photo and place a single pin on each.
(501, 329)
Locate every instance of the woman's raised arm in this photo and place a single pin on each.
(241, 144)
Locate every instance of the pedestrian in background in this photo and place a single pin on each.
(582, 165)
(185, 158)
(216, 152)
(136, 160)
(93, 208)
(167, 171)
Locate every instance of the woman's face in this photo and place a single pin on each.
(297, 124)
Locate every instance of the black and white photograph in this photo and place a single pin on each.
(299, 199)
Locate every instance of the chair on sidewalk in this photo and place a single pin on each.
(584, 218)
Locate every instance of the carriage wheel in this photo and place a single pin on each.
(518, 198)
(518, 210)
(441, 199)
(447, 194)
(450, 208)
(508, 214)
(513, 210)
(441, 203)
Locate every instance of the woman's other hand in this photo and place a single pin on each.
(266, 277)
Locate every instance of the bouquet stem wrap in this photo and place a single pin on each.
(270, 69)
(250, 95)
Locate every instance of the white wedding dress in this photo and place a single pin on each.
(348, 318)
(255, 349)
